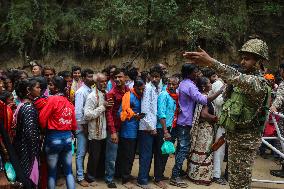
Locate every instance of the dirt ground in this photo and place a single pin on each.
(260, 171)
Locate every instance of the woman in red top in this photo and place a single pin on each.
(58, 117)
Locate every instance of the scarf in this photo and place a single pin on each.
(175, 97)
(72, 90)
(127, 112)
(6, 114)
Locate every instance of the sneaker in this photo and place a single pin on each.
(111, 185)
(83, 183)
(144, 186)
(277, 173)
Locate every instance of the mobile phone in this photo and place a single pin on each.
(142, 114)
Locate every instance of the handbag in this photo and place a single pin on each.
(10, 172)
(168, 147)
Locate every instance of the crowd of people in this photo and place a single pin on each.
(118, 113)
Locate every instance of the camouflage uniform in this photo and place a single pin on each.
(278, 103)
(244, 135)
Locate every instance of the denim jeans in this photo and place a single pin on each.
(80, 154)
(145, 156)
(110, 159)
(58, 146)
(183, 145)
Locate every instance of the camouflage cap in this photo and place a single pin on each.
(256, 46)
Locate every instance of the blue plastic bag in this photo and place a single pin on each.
(10, 172)
(168, 147)
(73, 147)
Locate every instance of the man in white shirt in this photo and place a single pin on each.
(217, 84)
(147, 126)
(94, 113)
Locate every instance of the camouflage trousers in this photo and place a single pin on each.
(242, 152)
(281, 129)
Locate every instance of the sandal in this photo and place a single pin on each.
(128, 185)
(220, 181)
(161, 184)
(178, 183)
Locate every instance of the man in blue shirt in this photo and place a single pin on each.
(80, 100)
(130, 115)
(167, 115)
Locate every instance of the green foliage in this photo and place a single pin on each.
(18, 23)
(109, 25)
(273, 8)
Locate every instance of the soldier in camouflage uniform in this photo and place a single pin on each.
(278, 106)
(242, 113)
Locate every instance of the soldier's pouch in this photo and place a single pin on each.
(236, 109)
(247, 116)
(231, 112)
(248, 113)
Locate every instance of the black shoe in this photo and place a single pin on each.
(111, 185)
(89, 180)
(277, 173)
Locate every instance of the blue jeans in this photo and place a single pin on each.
(182, 150)
(58, 146)
(111, 154)
(145, 156)
(80, 154)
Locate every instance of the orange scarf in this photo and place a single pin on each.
(127, 112)
(175, 97)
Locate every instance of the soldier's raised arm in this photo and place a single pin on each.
(279, 99)
(250, 84)
(253, 52)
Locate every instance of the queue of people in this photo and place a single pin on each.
(117, 113)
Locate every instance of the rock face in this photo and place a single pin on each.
(64, 61)
(173, 59)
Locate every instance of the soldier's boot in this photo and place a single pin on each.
(278, 173)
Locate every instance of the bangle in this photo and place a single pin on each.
(5, 151)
